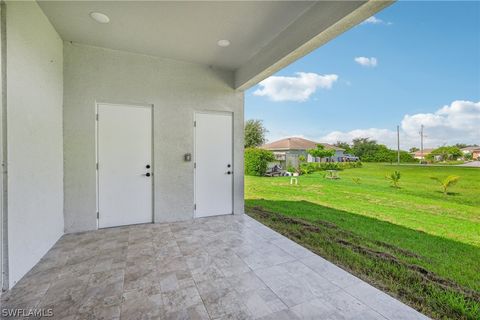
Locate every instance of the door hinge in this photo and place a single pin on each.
(96, 116)
(194, 165)
(97, 165)
(98, 215)
(194, 123)
(195, 206)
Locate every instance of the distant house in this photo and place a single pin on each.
(419, 155)
(475, 151)
(287, 151)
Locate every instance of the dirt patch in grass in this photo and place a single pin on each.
(384, 265)
(317, 227)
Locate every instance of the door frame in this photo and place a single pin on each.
(152, 153)
(4, 257)
(231, 114)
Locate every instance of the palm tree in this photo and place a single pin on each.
(394, 177)
(447, 182)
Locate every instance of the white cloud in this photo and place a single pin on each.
(366, 62)
(454, 123)
(375, 20)
(298, 88)
(384, 136)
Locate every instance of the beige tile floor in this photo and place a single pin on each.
(228, 267)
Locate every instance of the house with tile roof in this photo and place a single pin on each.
(474, 150)
(288, 151)
(422, 154)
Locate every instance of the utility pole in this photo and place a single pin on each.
(421, 142)
(398, 144)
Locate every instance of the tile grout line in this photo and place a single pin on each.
(314, 271)
(201, 298)
(288, 308)
(340, 288)
(198, 291)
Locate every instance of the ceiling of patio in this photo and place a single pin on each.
(189, 30)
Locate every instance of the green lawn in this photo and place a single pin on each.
(415, 242)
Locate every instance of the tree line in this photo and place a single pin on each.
(368, 150)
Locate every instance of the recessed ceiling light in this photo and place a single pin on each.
(99, 17)
(223, 43)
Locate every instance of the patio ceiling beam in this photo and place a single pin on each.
(321, 23)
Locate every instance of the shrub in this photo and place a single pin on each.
(383, 154)
(349, 165)
(330, 166)
(407, 157)
(306, 168)
(370, 151)
(394, 178)
(311, 167)
(256, 161)
(445, 153)
(291, 169)
(447, 182)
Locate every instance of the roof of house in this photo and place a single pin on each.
(471, 148)
(296, 143)
(425, 152)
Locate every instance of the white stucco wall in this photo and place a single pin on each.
(34, 136)
(338, 154)
(175, 89)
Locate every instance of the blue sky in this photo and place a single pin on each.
(425, 70)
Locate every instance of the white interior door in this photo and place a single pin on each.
(213, 164)
(124, 165)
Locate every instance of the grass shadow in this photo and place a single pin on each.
(448, 193)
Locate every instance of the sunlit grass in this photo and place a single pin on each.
(440, 232)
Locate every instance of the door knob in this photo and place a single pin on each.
(229, 172)
(229, 165)
(147, 166)
(147, 174)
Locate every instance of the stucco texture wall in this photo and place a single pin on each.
(34, 136)
(176, 90)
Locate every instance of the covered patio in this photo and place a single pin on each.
(121, 129)
(228, 267)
